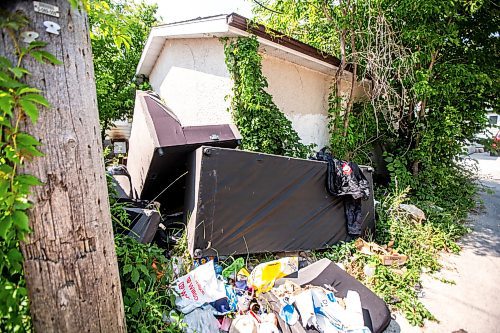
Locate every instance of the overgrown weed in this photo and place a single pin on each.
(145, 275)
(421, 242)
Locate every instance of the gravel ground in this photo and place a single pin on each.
(472, 304)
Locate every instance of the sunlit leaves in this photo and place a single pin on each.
(118, 33)
(145, 274)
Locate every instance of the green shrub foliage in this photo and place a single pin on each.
(145, 275)
(263, 126)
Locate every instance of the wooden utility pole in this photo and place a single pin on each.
(70, 261)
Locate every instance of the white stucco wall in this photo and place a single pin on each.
(302, 95)
(191, 77)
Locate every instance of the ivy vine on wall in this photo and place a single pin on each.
(18, 103)
(263, 126)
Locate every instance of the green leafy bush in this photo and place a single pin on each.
(119, 30)
(145, 275)
(263, 126)
(422, 243)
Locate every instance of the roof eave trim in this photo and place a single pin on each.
(243, 26)
(209, 26)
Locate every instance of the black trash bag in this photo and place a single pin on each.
(346, 179)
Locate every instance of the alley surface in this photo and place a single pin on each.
(472, 304)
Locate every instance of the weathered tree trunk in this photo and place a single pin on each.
(70, 261)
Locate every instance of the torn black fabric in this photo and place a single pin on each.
(353, 215)
(346, 179)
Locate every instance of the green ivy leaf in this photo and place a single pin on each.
(20, 220)
(28, 180)
(25, 90)
(143, 269)
(36, 98)
(135, 276)
(19, 72)
(14, 255)
(30, 151)
(133, 294)
(30, 109)
(4, 122)
(136, 308)
(4, 62)
(45, 57)
(22, 205)
(5, 225)
(25, 139)
(6, 103)
(4, 168)
(127, 269)
(36, 45)
(8, 82)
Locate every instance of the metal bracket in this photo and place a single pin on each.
(29, 36)
(52, 27)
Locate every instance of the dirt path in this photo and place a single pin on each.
(471, 304)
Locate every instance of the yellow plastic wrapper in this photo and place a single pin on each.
(264, 275)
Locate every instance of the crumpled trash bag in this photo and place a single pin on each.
(232, 298)
(198, 287)
(226, 305)
(268, 328)
(288, 313)
(201, 320)
(320, 309)
(264, 275)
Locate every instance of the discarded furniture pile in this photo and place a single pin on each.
(233, 202)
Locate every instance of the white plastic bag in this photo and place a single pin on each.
(201, 320)
(305, 306)
(329, 313)
(198, 287)
(354, 310)
(319, 308)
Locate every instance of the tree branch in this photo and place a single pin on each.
(267, 8)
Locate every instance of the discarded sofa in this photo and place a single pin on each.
(159, 146)
(240, 202)
(376, 315)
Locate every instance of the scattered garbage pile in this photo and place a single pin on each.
(275, 297)
(232, 202)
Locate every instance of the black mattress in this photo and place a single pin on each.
(240, 202)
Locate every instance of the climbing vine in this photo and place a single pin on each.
(263, 126)
(19, 103)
